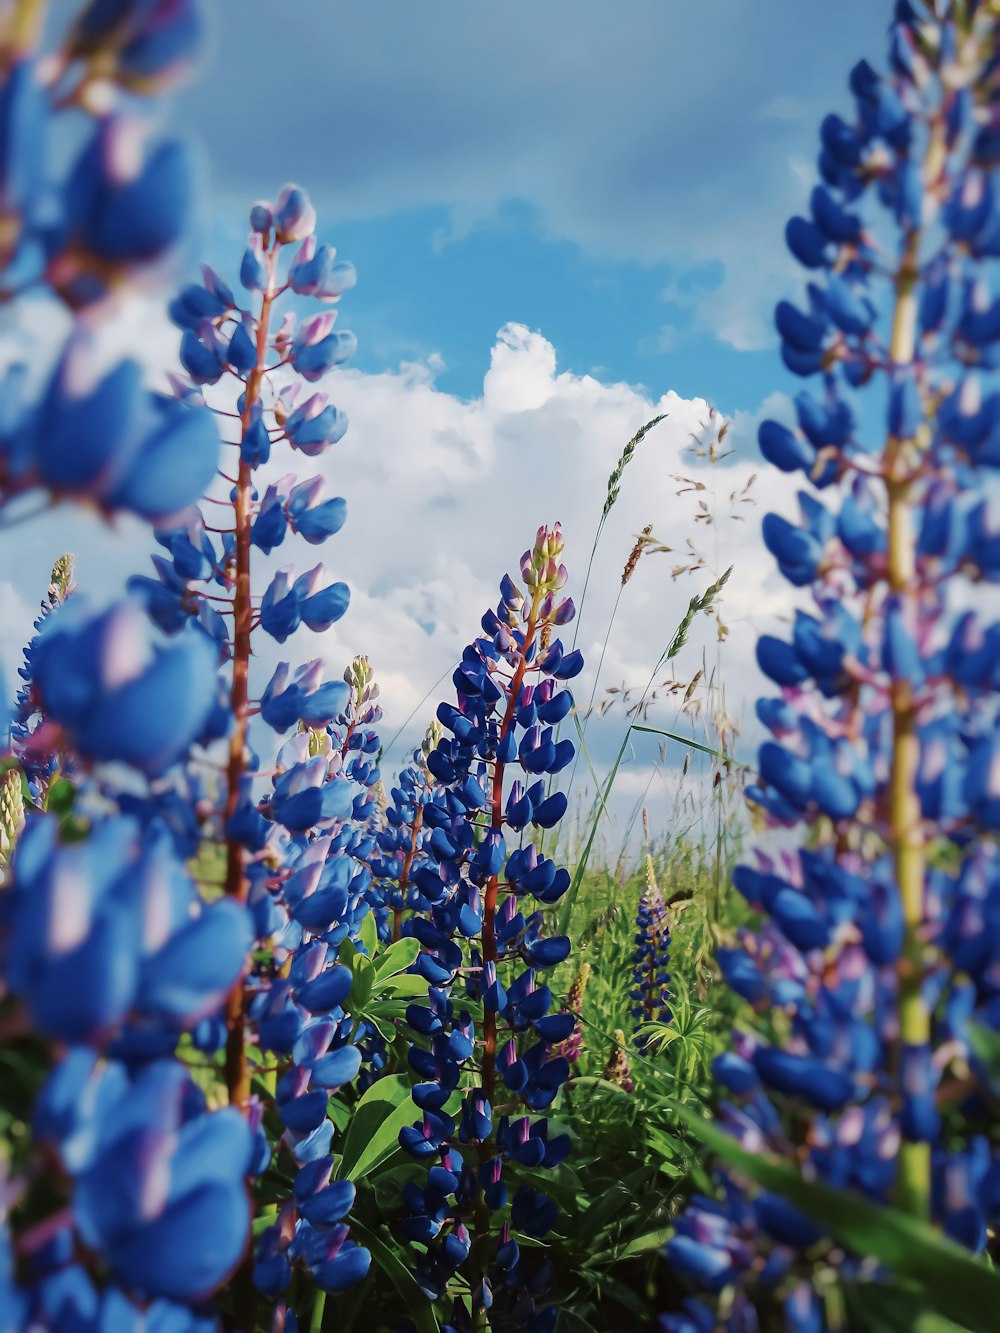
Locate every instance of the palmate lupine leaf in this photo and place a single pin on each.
(373, 1135)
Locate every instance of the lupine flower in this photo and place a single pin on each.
(114, 693)
(106, 945)
(110, 929)
(572, 1048)
(320, 903)
(874, 950)
(38, 767)
(509, 702)
(158, 1179)
(649, 995)
(125, 204)
(617, 1069)
(403, 865)
(295, 853)
(143, 47)
(101, 437)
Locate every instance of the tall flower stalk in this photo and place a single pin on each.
(871, 962)
(493, 1049)
(295, 851)
(126, 1199)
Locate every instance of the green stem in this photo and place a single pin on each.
(20, 31)
(906, 832)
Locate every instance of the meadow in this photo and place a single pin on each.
(299, 1035)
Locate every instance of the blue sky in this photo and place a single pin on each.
(616, 176)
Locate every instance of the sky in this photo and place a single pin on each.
(566, 217)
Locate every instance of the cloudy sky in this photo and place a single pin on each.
(566, 217)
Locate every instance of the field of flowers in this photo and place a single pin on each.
(292, 1038)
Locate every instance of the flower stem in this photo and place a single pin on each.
(404, 874)
(237, 1067)
(489, 944)
(21, 29)
(906, 834)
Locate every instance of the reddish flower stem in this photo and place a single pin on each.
(237, 1068)
(489, 943)
(404, 874)
(489, 937)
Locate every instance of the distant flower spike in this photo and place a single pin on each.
(509, 701)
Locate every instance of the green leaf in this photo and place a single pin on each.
(397, 958)
(368, 934)
(362, 985)
(607, 1209)
(954, 1283)
(378, 1117)
(384, 1252)
(339, 1112)
(652, 1240)
(591, 1081)
(568, 1322)
(404, 986)
(985, 1045)
(879, 1309)
(694, 745)
(61, 796)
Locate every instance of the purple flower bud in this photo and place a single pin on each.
(294, 215)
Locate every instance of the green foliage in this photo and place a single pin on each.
(373, 1135)
(948, 1280)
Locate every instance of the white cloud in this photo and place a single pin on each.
(445, 494)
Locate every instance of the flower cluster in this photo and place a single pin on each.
(110, 957)
(38, 767)
(82, 235)
(485, 1051)
(108, 950)
(649, 995)
(877, 954)
(296, 851)
(617, 1069)
(403, 864)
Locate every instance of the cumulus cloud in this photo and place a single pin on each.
(443, 496)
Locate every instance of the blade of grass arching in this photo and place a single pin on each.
(386, 748)
(677, 642)
(611, 496)
(635, 810)
(614, 486)
(695, 745)
(590, 764)
(569, 897)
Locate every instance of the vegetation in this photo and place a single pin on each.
(288, 1040)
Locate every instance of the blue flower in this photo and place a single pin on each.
(163, 1197)
(119, 696)
(111, 928)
